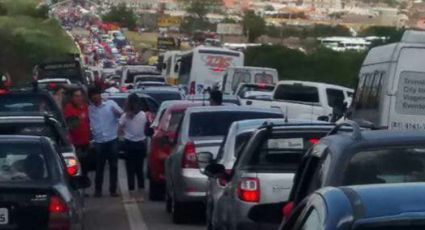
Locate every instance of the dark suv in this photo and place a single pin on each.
(358, 158)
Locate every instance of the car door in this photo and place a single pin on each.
(310, 215)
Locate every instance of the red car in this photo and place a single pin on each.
(162, 143)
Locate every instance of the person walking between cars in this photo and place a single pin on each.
(132, 126)
(216, 97)
(77, 116)
(104, 115)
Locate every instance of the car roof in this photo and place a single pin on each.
(381, 200)
(22, 138)
(245, 125)
(312, 83)
(183, 104)
(227, 108)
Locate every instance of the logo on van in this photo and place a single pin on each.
(217, 63)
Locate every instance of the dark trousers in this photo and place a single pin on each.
(106, 152)
(83, 157)
(135, 156)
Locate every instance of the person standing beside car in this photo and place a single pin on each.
(77, 116)
(103, 116)
(132, 126)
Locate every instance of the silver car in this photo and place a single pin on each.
(202, 130)
(261, 179)
(239, 134)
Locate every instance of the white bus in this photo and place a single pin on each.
(204, 67)
(391, 88)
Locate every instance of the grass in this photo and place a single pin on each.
(142, 41)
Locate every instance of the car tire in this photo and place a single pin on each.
(178, 212)
(156, 191)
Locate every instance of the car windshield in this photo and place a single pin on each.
(297, 93)
(218, 123)
(15, 103)
(282, 152)
(386, 165)
(22, 163)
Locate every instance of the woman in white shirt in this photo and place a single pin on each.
(132, 127)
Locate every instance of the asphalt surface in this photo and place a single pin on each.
(107, 213)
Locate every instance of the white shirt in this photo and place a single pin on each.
(134, 129)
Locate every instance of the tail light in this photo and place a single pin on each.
(313, 141)
(124, 89)
(189, 159)
(72, 166)
(192, 88)
(249, 190)
(287, 209)
(58, 214)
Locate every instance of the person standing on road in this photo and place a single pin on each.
(77, 116)
(104, 115)
(216, 97)
(132, 126)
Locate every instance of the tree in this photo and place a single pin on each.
(198, 10)
(269, 8)
(122, 15)
(254, 25)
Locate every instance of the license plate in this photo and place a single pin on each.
(4, 216)
(288, 143)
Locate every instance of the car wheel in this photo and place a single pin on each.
(177, 211)
(156, 191)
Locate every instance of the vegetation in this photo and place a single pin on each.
(322, 65)
(254, 25)
(198, 10)
(29, 37)
(317, 30)
(122, 15)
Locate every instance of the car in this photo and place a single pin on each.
(259, 183)
(130, 71)
(162, 93)
(362, 207)
(359, 157)
(162, 143)
(231, 99)
(234, 141)
(37, 124)
(201, 130)
(30, 100)
(35, 190)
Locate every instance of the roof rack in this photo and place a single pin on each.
(357, 133)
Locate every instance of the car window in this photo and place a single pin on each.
(282, 151)
(312, 221)
(386, 165)
(241, 141)
(218, 123)
(175, 119)
(240, 77)
(243, 91)
(263, 78)
(27, 129)
(335, 97)
(22, 163)
(297, 93)
(153, 106)
(28, 103)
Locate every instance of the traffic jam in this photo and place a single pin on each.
(210, 143)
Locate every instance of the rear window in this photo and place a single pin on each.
(218, 123)
(283, 152)
(132, 74)
(155, 78)
(386, 165)
(263, 78)
(22, 163)
(27, 129)
(164, 96)
(244, 90)
(15, 103)
(240, 142)
(297, 93)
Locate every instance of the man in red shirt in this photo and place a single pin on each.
(77, 117)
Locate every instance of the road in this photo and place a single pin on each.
(107, 213)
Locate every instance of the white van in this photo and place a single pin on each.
(247, 74)
(168, 70)
(205, 67)
(391, 88)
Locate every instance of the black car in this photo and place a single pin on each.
(30, 101)
(35, 191)
(377, 207)
(36, 124)
(360, 157)
(120, 99)
(161, 93)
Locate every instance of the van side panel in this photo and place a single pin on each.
(408, 102)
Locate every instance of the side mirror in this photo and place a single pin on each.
(248, 102)
(80, 182)
(214, 170)
(205, 158)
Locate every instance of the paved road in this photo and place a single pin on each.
(108, 213)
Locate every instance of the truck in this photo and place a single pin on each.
(237, 75)
(307, 100)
